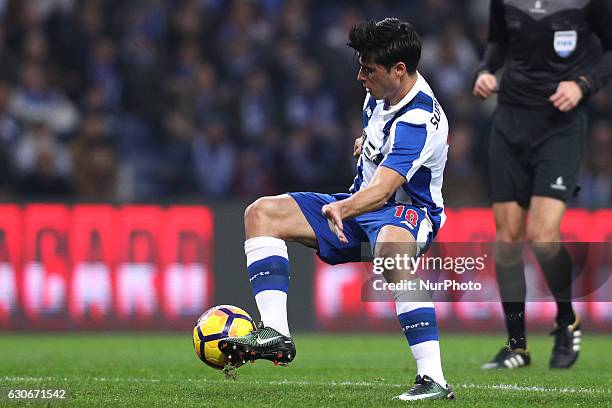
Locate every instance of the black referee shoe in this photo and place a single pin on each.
(509, 358)
(567, 344)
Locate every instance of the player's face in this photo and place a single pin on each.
(375, 78)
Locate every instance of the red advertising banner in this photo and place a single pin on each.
(104, 267)
(342, 301)
(94, 254)
(142, 267)
(46, 270)
(138, 274)
(10, 260)
(600, 310)
(186, 260)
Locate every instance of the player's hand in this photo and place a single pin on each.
(357, 147)
(334, 221)
(567, 97)
(485, 85)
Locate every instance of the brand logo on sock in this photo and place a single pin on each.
(416, 325)
(257, 275)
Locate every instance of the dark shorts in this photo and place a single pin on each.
(363, 228)
(535, 153)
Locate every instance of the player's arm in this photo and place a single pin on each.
(383, 185)
(485, 82)
(569, 93)
(396, 169)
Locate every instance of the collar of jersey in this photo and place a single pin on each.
(409, 96)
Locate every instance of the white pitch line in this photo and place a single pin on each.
(514, 387)
(500, 387)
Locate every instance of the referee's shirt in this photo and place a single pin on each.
(544, 42)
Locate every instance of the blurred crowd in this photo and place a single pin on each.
(199, 100)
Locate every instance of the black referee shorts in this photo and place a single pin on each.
(535, 153)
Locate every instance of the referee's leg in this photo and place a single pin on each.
(544, 221)
(543, 233)
(509, 235)
(510, 180)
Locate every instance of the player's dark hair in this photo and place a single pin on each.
(386, 43)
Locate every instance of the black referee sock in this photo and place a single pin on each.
(515, 324)
(558, 273)
(512, 289)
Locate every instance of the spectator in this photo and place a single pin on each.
(43, 182)
(309, 103)
(595, 178)
(154, 77)
(252, 179)
(178, 140)
(96, 172)
(214, 160)
(104, 72)
(463, 181)
(39, 141)
(9, 129)
(36, 101)
(256, 105)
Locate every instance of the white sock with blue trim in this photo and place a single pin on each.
(418, 321)
(268, 268)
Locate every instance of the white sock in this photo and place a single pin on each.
(427, 353)
(427, 356)
(272, 304)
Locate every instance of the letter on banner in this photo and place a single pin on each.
(184, 289)
(138, 271)
(45, 270)
(10, 237)
(186, 249)
(8, 290)
(93, 248)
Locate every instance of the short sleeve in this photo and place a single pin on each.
(408, 142)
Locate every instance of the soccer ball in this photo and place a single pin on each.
(215, 324)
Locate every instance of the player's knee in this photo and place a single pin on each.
(542, 234)
(258, 214)
(395, 259)
(545, 250)
(509, 235)
(383, 252)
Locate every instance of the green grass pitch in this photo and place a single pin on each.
(146, 370)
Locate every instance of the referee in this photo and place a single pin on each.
(552, 62)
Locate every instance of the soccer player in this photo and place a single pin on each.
(551, 66)
(395, 203)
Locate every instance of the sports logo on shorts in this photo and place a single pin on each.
(565, 42)
(538, 8)
(558, 185)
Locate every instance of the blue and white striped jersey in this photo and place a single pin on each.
(410, 138)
